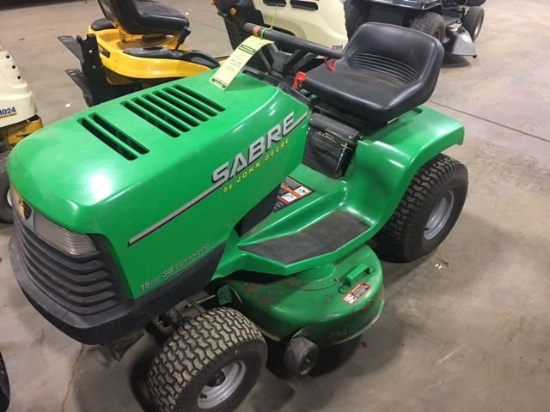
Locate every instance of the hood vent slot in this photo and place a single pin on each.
(116, 139)
(174, 110)
(198, 101)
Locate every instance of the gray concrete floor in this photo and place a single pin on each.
(466, 329)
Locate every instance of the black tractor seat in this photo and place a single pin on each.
(385, 71)
(144, 16)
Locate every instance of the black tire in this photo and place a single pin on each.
(471, 2)
(194, 356)
(6, 212)
(430, 23)
(442, 181)
(473, 21)
(356, 13)
(4, 387)
(301, 355)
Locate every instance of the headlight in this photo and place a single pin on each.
(69, 242)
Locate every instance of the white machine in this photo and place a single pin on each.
(18, 118)
(319, 21)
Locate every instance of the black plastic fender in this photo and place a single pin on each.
(461, 44)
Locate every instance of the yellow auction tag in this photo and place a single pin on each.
(237, 60)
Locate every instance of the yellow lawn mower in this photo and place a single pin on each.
(138, 43)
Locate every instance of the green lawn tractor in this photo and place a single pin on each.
(228, 214)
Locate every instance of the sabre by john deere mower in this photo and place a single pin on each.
(18, 119)
(236, 209)
(139, 43)
(456, 23)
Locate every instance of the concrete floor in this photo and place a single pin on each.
(465, 329)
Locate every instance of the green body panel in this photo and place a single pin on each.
(383, 166)
(311, 303)
(79, 182)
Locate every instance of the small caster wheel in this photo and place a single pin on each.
(301, 355)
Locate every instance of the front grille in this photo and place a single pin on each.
(82, 285)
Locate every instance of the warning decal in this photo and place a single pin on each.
(290, 192)
(355, 294)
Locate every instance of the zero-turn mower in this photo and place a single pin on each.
(456, 23)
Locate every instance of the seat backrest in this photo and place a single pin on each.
(404, 55)
(111, 11)
(143, 16)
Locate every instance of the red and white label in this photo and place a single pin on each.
(356, 293)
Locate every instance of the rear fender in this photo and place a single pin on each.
(386, 162)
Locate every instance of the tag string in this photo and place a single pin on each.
(272, 22)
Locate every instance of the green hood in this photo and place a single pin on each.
(122, 167)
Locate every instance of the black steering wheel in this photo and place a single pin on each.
(304, 50)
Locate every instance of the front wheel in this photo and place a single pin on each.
(427, 212)
(430, 23)
(473, 21)
(6, 213)
(208, 365)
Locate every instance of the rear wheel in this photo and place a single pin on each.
(473, 21)
(6, 212)
(356, 13)
(427, 212)
(209, 364)
(430, 23)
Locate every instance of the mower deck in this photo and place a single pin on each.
(328, 305)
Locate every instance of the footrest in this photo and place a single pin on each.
(72, 45)
(325, 236)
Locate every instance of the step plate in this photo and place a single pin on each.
(321, 238)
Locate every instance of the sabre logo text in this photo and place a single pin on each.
(255, 151)
(269, 144)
